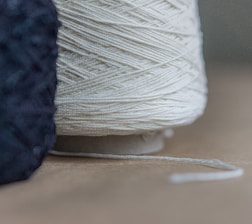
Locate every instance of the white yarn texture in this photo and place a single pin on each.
(128, 66)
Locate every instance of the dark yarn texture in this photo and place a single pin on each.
(28, 54)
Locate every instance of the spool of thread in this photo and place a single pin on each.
(28, 52)
(127, 71)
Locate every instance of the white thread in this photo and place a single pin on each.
(232, 171)
(128, 66)
(132, 66)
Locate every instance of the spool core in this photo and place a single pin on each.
(111, 144)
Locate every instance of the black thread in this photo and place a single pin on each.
(28, 53)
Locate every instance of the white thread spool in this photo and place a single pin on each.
(127, 70)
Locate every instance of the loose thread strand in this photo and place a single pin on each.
(232, 171)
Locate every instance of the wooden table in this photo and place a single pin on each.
(80, 190)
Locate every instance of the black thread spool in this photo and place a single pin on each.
(28, 53)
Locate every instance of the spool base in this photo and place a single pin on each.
(112, 144)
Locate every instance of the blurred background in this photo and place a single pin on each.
(227, 28)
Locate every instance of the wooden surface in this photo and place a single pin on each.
(70, 190)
